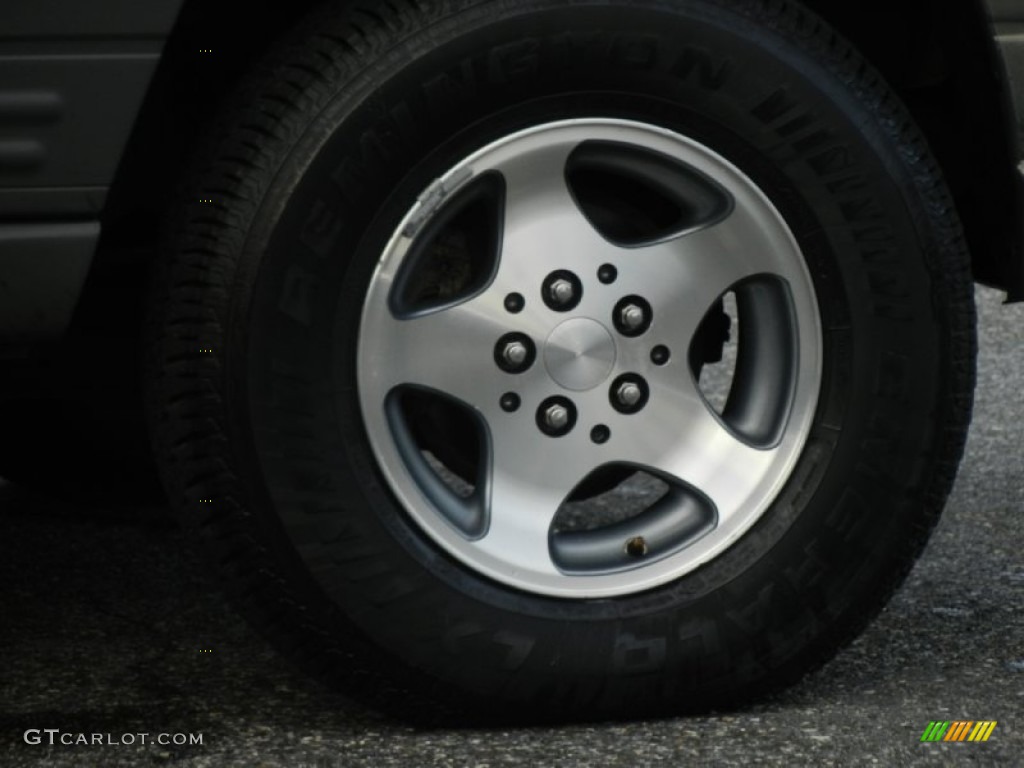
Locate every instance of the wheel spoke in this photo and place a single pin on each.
(530, 476)
(450, 351)
(543, 227)
(689, 444)
(683, 276)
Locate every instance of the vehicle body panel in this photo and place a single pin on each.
(1008, 16)
(73, 76)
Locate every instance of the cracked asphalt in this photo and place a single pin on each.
(110, 625)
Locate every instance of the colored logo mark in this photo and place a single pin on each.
(958, 730)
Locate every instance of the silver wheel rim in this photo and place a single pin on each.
(576, 359)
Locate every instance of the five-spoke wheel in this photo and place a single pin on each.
(569, 305)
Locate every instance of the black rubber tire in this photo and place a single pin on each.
(252, 385)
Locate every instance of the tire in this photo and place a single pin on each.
(445, 266)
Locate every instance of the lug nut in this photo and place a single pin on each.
(631, 316)
(561, 291)
(556, 417)
(629, 393)
(515, 353)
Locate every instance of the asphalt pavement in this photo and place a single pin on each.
(110, 625)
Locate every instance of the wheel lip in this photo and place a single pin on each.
(399, 479)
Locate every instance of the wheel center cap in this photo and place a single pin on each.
(579, 354)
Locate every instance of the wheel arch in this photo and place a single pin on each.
(942, 58)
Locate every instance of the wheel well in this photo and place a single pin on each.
(939, 55)
(210, 48)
